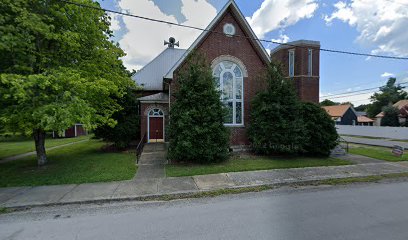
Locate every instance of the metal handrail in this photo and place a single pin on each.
(139, 148)
(344, 141)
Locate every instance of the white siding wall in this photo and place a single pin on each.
(374, 131)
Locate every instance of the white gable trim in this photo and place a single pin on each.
(241, 20)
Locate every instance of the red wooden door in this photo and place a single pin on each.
(155, 128)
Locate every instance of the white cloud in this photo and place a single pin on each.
(381, 24)
(144, 39)
(387, 74)
(283, 38)
(275, 14)
(115, 24)
(343, 13)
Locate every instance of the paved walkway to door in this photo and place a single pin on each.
(152, 162)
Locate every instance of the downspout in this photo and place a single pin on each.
(168, 81)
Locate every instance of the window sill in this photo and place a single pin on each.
(234, 125)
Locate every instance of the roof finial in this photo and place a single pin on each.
(172, 42)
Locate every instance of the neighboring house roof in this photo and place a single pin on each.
(150, 77)
(360, 113)
(337, 110)
(364, 119)
(401, 105)
(158, 97)
(241, 19)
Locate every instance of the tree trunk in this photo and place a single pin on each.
(39, 139)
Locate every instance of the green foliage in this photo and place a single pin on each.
(389, 94)
(276, 125)
(196, 130)
(127, 128)
(328, 102)
(362, 107)
(55, 101)
(390, 117)
(58, 67)
(280, 123)
(320, 135)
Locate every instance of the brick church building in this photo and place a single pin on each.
(237, 59)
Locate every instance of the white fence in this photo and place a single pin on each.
(374, 131)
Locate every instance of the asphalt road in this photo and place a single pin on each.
(369, 211)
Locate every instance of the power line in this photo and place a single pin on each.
(361, 90)
(212, 31)
(336, 91)
(349, 92)
(357, 94)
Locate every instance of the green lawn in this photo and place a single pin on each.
(19, 145)
(79, 163)
(399, 140)
(358, 136)
(250, 164)
(381, 153)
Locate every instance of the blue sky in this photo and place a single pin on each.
(359, 26)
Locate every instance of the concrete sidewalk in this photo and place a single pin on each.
(151, 187)
(375, 142)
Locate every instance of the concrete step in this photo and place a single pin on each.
(154, 147)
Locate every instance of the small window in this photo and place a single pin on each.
(291, 63)
(229, 29)
(156, 112)
(310, 62)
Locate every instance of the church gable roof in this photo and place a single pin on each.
(151, 75)
(230, 5)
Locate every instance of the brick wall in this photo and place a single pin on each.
(215, 45)
(307, 86)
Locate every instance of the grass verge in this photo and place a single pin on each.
(381, 153)
(343, 181)
(3, 210)
(213, 193)
(399, 140)
(79, 163)
(250, 164)
(358, 136)
(16, 146)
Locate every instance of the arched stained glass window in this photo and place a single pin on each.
(229, 79)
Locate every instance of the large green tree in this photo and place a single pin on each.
(58, 67)
(276, 125)
(362, 107)
(390, 117)
(388, 95)
(196, 131)
(328, 102)
(127, 128)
